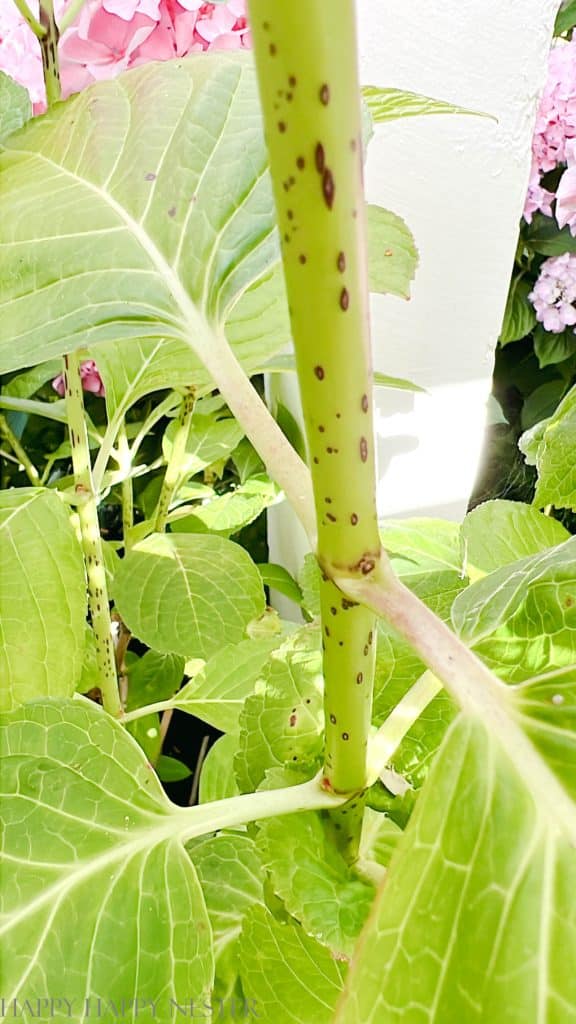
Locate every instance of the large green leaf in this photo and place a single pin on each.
(566, 17)
(287, 977)
(218, 692)
(499, 532)
(141, 210)
(392, 253)
(476, 921)
(521, 619)
(97, 886)
(188, 594)
(544, 237)
(554, 457)
(15, 106)
(316, 885)
(231, 876)
(282, 722)
(42, 598)
(217, 779)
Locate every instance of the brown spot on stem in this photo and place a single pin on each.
(334, 611)
(341, 262)
(365, 650)
(292, 81)
(272, 49)
(364, 403)
(370, 637)
(363, 449)
(266, 25)
(319, 372)
(346, 604)
(292, 720)
(333, 719)
(353, 145)
(302, 258)
(330, 517)
(281, 126)
(321, 430)
(289, 96)
(344, 299)
(354, 519)
(316, 460)
(319, 157)
(345, 736)
(325, 94)
(328, 188)
(290, 214)
(326, 630)
(360, 678)
(300, 163)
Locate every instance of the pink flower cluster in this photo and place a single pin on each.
(91, 380)
(552, 143)
(554, 293)
(110, 36)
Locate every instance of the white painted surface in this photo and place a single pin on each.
(460, 183)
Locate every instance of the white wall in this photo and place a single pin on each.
(460, 183)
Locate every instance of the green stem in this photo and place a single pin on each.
(148, 709)
(90, 533)
(23, 457)
(311, 102)
(173, 474)
(125, 463)
(29, 18)
(70, 14)
(49, 50)
(241, 810)
(385, 743)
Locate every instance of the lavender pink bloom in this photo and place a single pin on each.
(554, 293)
(91, 380)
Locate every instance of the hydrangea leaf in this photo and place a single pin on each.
(499, 532)
(393, 104)
(92, 862)
(188, 595)
(217, 779)
(150, 194)
(282, 722)
(287, 977)
(519, 315)
(521, 619)
(153, 677)
(42, 598)
(555, 457)
(392, 253)
(209, 440)
(15, 106)
(316, 885)
(482, 845)
(218, 692)
(230, 873)
(228, 513)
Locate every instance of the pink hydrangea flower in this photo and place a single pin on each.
(91, 380)
(110, 36)
(554, 293)
(566, 191)
(555, 125)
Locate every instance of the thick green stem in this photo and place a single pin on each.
(173, 474)
(49, 50)
(90, 533)
(23, 458)
(70, 14)
(311, 102)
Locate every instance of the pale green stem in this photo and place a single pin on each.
(22, 456)
(476, 689)
(385, 743)
(87, 509)
(125, 461)
(70, 14)
(149, 709)
(241, 810)
(29, 18)
(310, 98)
(49, 50)
(173, 474)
